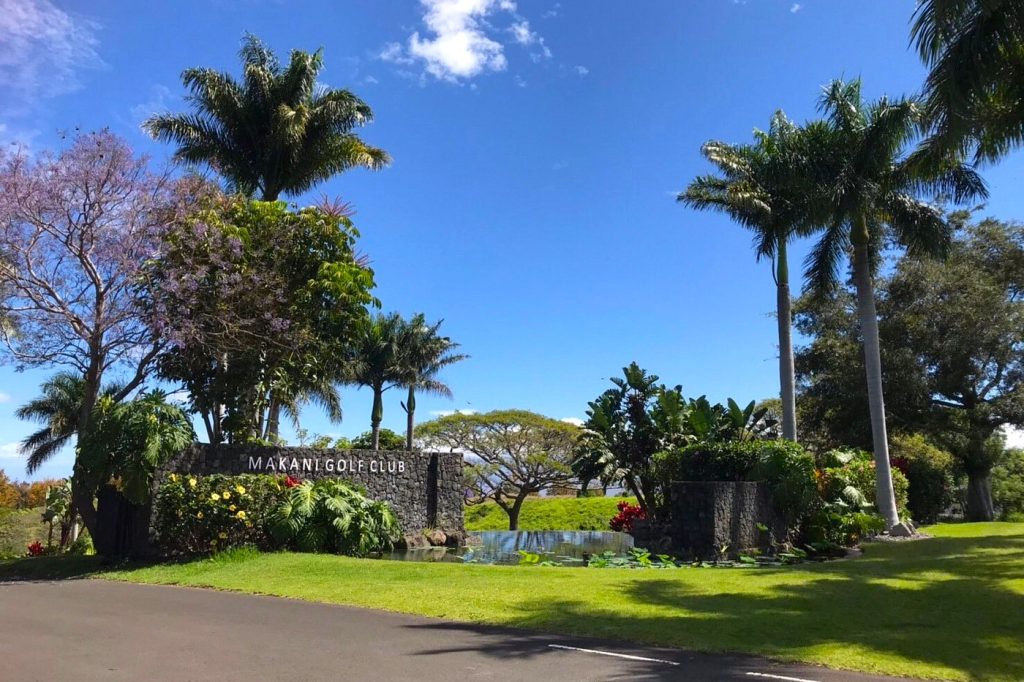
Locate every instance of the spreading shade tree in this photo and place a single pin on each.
(871, 192)
(762, 186)
(278, 131)
(974, 92)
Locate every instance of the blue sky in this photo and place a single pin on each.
(537, 146)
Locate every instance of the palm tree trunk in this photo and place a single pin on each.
(410, 417)
(787, 374)
(273, 419)
(885, 498)
(377, 416)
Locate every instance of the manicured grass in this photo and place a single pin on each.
(548, 513)
(951, 607)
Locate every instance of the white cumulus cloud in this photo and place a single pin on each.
(42, 50)
(460, 41)
(5, 397)
(10, 450)
(796, 7)
(575, 421)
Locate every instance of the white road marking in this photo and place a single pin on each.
(780, 677)
(609, 653)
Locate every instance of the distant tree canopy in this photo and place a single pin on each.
(510, 454)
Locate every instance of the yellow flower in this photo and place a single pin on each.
(214, 496)
(240, 489)
(241, 514)
(222, 536)
(248, 524)
(232, 508)
(226, 495)
(192, 482)
(174, 477)
(199, 515)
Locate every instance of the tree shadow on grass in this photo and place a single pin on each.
(944, 605)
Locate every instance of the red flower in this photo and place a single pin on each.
(36, 549)
(290, 481)
(628, 513)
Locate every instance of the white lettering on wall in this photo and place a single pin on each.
(332, 466)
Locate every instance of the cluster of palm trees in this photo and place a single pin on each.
(392, 352)
(855, 178)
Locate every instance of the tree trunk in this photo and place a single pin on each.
(273, 419)
(410, 417)
(885, 498)
(513, 511)
(376, 417)
(787, 375)
(979, 496)
(81, 492)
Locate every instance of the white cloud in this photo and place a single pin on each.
(158, 103)
(553, 12)
(1014, 437)
(575, 421)
(461, 42)
(518, 80)
(370, 80)
(10, 451)
(5, 397)
(796, 7)
(582, 70)
(42, 50)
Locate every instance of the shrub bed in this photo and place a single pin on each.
(202, 514)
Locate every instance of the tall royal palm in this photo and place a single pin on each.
(974, 94)
(377, 363)
(276, 132)
(871, 191)
(424, 354)
(761, 186)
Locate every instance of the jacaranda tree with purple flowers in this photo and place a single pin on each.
(75, 227)
(259, 304)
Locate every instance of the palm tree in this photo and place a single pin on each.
(872, 192)
(974, 93)
(377, 363)
(760, 187)
(278, 131)
(425, 353)
(58, 410)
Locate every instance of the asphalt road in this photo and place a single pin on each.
(85, 630)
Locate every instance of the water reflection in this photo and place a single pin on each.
(502, 546)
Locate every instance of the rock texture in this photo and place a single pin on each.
(707, 516)
(424, 488)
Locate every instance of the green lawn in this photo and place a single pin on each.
(548, 513)
(947, 608)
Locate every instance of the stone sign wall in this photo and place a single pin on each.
(707, 516)
(424, 489)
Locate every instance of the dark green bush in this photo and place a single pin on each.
(1008, 485)
(930, 474)
(787, 468)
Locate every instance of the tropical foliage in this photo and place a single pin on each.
(972, 95)
(278, 131)
(329, 515)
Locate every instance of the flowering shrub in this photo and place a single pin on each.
(197, 514)
(36, 549)
(628, 513)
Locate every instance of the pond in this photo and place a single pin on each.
(502, 546)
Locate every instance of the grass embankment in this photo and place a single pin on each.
(19, 528)
(548, 513)
(947, 608)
